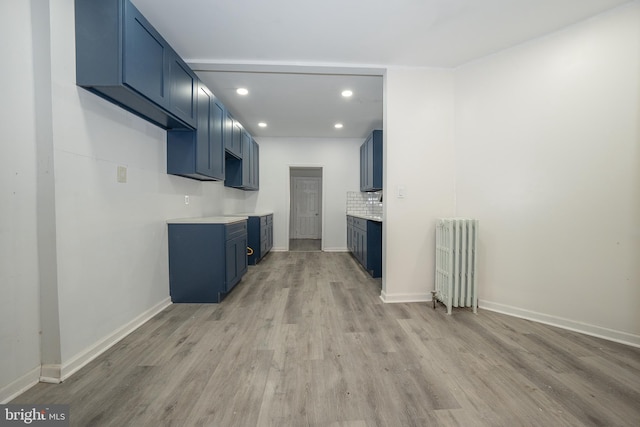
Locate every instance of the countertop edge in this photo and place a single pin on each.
(367, 217)
(208, 220)
(260, 213)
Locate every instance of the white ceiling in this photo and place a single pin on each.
(296, 56)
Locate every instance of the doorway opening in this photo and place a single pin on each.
(305, 222)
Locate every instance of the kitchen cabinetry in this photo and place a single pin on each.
(250, 169)
(371, 162)
(364, 241)
(260, 236)
(244, 173)
(199, 154)
(207, 258)
(233, 136)
(122, 58)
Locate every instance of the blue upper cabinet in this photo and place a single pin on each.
(371, 162)
(233, 136)
(244, 173)
(183, 86)
(121, 57)
(199, 154)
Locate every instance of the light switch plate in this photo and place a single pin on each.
(122, 174)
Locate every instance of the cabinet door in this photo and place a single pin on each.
(228, 131)
(236, 263)
(255, 164)
(242, 261)
(363, 168)
(233, 138)
(363, 249)
(232, 268)
(203, 132)
(217, 124)
(375, 164)
(369, 163)
(145, 57)
(246, 160)
(183, 85)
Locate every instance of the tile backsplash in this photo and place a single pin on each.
(364, 203)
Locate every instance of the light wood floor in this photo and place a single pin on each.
(305, 245)
(304, 340)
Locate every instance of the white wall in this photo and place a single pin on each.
(340, 162)
(19, 308)
(112, 237)
(107, 241)
(548, 158)
(418, 156)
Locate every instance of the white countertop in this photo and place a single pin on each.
(208, 220)
(260, 213)
(368, 217)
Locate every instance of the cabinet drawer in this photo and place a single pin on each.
(236, 230)
(360, 223)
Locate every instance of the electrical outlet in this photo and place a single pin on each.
(186, 200)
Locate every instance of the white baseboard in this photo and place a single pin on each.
(19, 386)
(560, 322)
(395, 298)
(83, 358)
(335, 250)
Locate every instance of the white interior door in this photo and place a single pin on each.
(307, 219)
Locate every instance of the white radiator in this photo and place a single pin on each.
(456, 259)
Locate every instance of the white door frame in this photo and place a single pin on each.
(322, 198)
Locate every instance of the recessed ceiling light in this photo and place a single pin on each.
(262, 124)
(242, 91)
(347, 93)
(338, 125)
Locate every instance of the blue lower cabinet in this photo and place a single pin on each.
(260, 235)
(206, 260)
(364, 241)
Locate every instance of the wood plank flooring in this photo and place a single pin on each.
(304, 340)
(305, 245)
